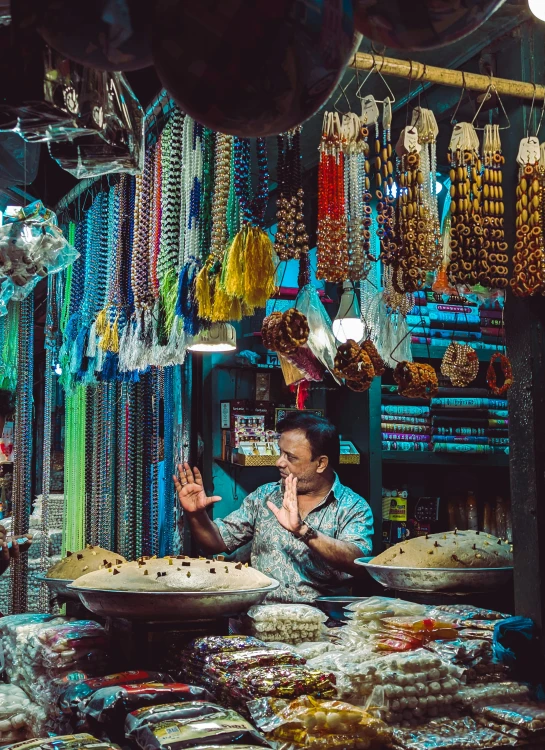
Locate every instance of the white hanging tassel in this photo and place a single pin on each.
(93, 341)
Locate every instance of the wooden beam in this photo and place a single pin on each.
(422, 73)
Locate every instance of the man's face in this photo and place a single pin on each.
(296, 458)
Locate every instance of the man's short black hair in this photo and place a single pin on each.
(320, 433)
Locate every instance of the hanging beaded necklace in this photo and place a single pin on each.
(332, 249)
(22, 466)
(493, 270)
(249, 272)
(291, 236)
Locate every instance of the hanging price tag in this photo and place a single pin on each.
(387, 113)
(529, 151)
(369, 110)
(408, 142)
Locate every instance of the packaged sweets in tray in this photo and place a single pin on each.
(213, 644)
(81, 741)
(108, 707)
(288, 623)
(321, 725)
(226, 727)
(164, 712)
(277, 682)
(452, 734)
(76, 694)
(529, 717)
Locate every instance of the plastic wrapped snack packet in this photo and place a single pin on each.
(149, 715)
(290, 623)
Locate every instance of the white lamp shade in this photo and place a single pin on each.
(348, 323)
(220, 337)
(538, 8)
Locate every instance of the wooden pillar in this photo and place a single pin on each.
(523, 59)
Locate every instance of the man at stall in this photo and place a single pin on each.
(305, 530)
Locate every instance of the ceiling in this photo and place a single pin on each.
(52, 183)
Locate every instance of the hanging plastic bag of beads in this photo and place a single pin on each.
(321, 340)
(118, 143)
(31, 247)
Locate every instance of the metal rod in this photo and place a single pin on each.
(420, 72)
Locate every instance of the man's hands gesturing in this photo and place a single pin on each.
(190, 489)
(288, 515)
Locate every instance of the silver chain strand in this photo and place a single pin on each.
(22, 459)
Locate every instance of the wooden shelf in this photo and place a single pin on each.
(424, 458)
(420, 351)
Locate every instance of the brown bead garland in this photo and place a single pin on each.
(416, 380)
(286, 332)
(353, 364)
(460, 364)
(378, 363)
(528, 259)
(507, 374)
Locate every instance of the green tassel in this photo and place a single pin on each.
(168, 293)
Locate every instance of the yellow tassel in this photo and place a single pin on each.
(202, 293)
(258, 268)
(102, 322)
(104, 342)
(114, 337)
(236, 310)
(246, 310)
(234, 272)
(221, 309)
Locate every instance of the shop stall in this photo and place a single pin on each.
(332, 234)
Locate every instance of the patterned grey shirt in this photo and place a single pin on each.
(303, 574)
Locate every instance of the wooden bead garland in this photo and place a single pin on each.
(286, 332)
(466, 192)
(354, 365)
(379, 365)
(416, 380)
(528, 258)
(507, 374)
(460, 364)
(493, 259)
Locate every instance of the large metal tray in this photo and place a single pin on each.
(58, 586)
(171, 605)
(439, 580)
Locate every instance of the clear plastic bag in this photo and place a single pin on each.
(451, 734)
(528, 716)
(321, 340)
(82, 741)
(149, 715)
(224, 728)
(377, 607)
(467, 612)
(15, 714)
(278, 682)
(497, 693)
(311, 723)
(291, 623)
(31, 247)
(108, 707)
(76, 693)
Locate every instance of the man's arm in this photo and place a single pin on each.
(338, 553)
(206, 533)
(230, 532)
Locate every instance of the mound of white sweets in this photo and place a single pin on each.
(179, 573)
(452, 549)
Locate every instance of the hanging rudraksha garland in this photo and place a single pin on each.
(466, 229)
(291, 237)
(493, 258)
(528, 259)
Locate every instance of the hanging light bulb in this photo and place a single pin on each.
(538, 8)
(348, 323)
(220, 337)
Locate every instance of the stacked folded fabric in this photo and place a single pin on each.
(405, 423)
(458, 420)
(471, 422)
(436, 321)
